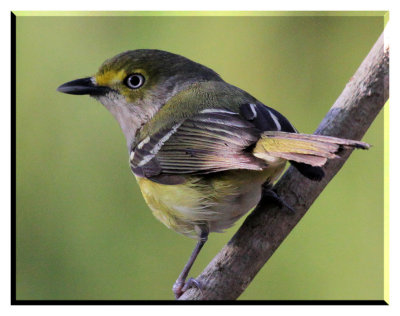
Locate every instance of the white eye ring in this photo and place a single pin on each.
(134, 81)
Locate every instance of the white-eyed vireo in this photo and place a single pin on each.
(201, 149)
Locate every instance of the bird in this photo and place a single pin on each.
(203, 151)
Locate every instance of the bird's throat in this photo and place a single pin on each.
(131, 117)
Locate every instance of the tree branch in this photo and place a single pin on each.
(235, 266)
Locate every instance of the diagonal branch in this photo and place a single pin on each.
(235, 266)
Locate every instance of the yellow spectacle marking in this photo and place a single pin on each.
(110, 77)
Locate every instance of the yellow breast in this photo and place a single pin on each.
(216, 200)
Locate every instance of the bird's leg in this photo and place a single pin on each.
(270, 194)
(180, 285)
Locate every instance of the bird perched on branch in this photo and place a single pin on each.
(203, 151)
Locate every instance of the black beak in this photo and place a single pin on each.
(83, 86)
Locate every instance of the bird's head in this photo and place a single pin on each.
(134, 85)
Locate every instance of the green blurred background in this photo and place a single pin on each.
(83, 229)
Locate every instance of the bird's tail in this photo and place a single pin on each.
(308, 153)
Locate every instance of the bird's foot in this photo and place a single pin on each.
(181, 287)
(271, 195)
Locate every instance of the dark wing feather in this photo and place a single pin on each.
(212, 141)
(266, 118)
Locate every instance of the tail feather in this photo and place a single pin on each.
(312, 160)
(310, 172)
(306, 152)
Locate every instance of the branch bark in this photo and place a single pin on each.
(235, 266)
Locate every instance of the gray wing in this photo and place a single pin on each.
(214, 140)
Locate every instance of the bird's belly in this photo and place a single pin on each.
(216, 200)
(234, 206)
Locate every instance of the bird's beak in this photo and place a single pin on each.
(83, 86)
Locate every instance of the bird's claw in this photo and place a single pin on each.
(181, 287)
(191, 283)
(273, 196)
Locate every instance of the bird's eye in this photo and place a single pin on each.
(134, 81)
